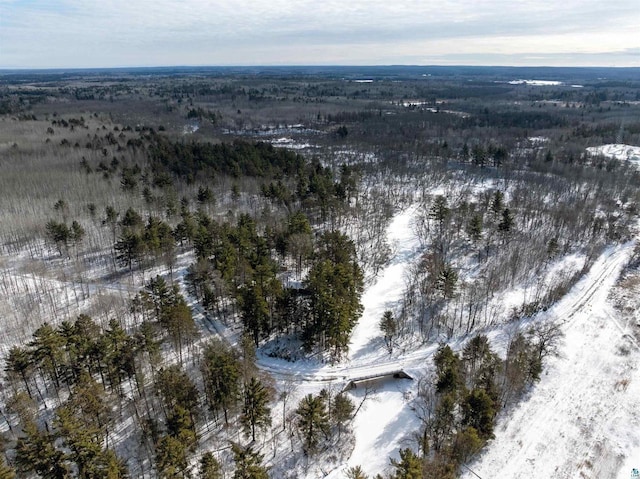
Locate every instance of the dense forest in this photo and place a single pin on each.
(185, 261)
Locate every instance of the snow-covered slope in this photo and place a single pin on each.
(387, 290)
(581, 419)
(617, 151)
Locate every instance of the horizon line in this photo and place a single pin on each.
(282, 66)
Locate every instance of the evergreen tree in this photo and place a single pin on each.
(335, 285)
(248, 464)
(6, 472)
(171, 458)
(341, 410)
(210, 468)
(497, 203)
(447, 281)
(159, 241)
(59, 234)
(409, 466)
(255, 413)
(83, 441)
(47, 350)
(389, 328)
(177, 390)
(76, 234)
(474, 229)
(254, 312)
(478, 411)
(111, 220)
(448, 375)
(129, 249)
(20, 364)
(465, 444)
(440, 212)
(356, 472)
(132, 220)
(35, 452)
(221, 373)
(507, 222)
(178, 321)
(312, 422)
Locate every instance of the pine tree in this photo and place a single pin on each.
(178, 321)
(20, 364)
(221, 373)
(129, 249)
(6, 472)
(82, 440)
(77, 233)
(335, 285)
(177, 390)
(248, 464)
(447, 281)
(312, 422)
(47, 349)
(210, 468)
(255, 413)
(448, 375)
(341, 410)
(171, 458)
(59, 234)
(497, 203)
(474, 230)
(409, 466)
(356, 472)
(507, 223)
(254, 311)
(35, 452)
(389, 328)
(465, 444)
(478, 411)
(439, 211)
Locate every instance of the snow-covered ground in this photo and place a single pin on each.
(617, 151)
(387, 291)
(581, 419)
(536, 82)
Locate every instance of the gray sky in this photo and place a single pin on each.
(121, 33)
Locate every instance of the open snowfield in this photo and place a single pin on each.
(618, 151)
(536, 82)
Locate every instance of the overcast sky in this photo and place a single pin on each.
(122, 33)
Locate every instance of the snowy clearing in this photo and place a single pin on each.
(536, 82)
(618, 152)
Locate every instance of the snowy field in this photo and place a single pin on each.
(618, 151)
(536, 82)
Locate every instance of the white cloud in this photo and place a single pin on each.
(89, 33)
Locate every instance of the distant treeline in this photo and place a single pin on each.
(239, 158)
